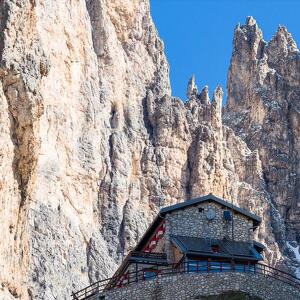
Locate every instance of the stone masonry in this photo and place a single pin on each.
(194, 286)
(192, 221)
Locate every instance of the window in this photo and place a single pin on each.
(225, 267)
(219, 266)
(196, 266)
(227, 215)
(215, 248)
(200, 209)
(251, 269)
(150, 274)
(215, 266)
(240, 267)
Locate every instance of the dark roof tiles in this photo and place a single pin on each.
(226, 248)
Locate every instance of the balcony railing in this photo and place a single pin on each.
(190, 267)
(149, 255)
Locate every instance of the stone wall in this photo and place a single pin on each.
(192, 222)
(194, 286)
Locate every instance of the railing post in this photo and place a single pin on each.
(182, 267)
(208, 266)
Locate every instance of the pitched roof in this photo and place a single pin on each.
(168, 209)
(213, 198)
(226, 248)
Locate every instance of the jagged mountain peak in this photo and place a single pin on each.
(283, 40)
(218, 94)
(263, 95)
(204, 95)
(250, 21)
(192, 89)
(248, 39)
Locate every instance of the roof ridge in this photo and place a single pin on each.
(208, 197)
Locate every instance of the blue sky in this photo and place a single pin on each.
(198, 34)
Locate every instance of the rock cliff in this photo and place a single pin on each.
(92, 142)
(264, 110)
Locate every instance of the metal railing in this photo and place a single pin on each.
(148, 255)
(190, 267)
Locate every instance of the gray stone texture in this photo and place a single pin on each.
(193, 286)
(191, 222)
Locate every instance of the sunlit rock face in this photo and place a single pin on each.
(74, 79)
(263, 109)
(92, 144)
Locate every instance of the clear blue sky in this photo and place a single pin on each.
(198, 34)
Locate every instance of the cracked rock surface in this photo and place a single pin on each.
(264, 110)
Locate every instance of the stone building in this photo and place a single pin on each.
(199, 247)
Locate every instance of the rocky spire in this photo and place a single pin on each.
(250, 21)
(249, 47)
(216, 108)
(280, 46)
(284, 38)
(248, 38)
(204, 96)
(191, 88)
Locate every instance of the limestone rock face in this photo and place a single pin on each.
(263, 109)
(74, 79)
(92, 143)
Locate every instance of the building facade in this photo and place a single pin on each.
(207, 240)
